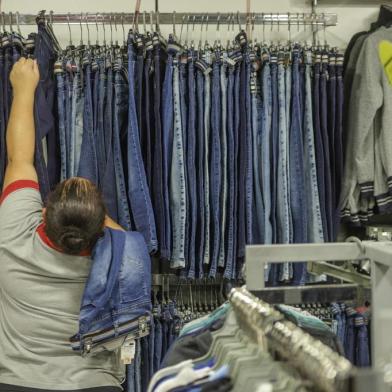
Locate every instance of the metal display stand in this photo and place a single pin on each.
(378, 253)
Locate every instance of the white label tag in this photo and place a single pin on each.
(128, 352)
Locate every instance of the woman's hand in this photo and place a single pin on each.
(24, 76)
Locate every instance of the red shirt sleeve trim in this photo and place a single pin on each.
(16, 185)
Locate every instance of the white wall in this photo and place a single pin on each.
(353, 15)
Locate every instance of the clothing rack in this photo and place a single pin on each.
(216, 18)
(378, 253)
(318, 363)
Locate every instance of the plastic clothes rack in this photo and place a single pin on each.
(378, 253)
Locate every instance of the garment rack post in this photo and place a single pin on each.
(380, 256)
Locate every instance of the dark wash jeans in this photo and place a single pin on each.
(44, 105)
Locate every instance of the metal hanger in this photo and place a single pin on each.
(111, 30)
(81, 29)
(144, 23)
(10, 22)
(238, 21)
(115, 29)
(193, 32)
(70, 44)
(104, 32)
(201, 32)
(96, 25)
(123, 29)
(88, 31)
(17, 23)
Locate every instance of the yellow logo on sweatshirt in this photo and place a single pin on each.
(385, 53)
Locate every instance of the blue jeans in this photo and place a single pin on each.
(3, 146)
(88, 166)
(283, 195)
(231, 177)
(191, 170)
(100, 125)
(362, 358)
(349, 341)
(48, 174)
(224, 163)
(61, 105)
(207, 131)
(167, 141)
(297, 172)
(157, 343)
(320, 157)
(215, 169)
(157, 180)
(178, 191)
(77, 123)
(200, 240)
(327, 157)
(138, 192)
(119, 134)
(315, 225)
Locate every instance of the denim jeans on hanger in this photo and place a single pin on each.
(158, 199)
(207, 177)
(257, 121)
(7, 90)
(200, 146)
(88, 165)
(191, 167)
(61, 115)
(139, 90)
(282, 207)
(331, 100)
(320, 165)
(231, 176)
(157, 311)
(216, 168)
(151, 348)
(266, 139)
(120, 123)
(137, 359)
(224, 161)
(144, 364)
(68, 115)
(343, 322)
(100, 129)
(297, 171)
(315, 226)
(44, 105)
(178, 190)
(242, 161)
(167, 142)
(274, 269)
(138, 192)
(109, 187)
(350, 339)
(249, 206)
(362, 358)
(325, 137)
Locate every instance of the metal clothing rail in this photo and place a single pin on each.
(215, 18)
(378, 253)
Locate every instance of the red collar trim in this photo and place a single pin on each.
(47, 241)
(16, 185)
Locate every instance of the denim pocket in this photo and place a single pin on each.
(133, 280)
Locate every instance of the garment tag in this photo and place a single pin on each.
(128, 352)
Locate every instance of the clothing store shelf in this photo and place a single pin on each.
(378, 253)
(171, 18)
(320, 293)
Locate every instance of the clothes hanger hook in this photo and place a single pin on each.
(123, 28)
(115, 27)
(88, 30)
(111, 29)
(17, 22)
(81, 28)
(289, 26)
(238, 20)
(182, 26)
(174, 23)
(104, 30)
(10, 22)
(152, 21)
(158, 27)
(144, 22)
(96, 25)
(69, 30)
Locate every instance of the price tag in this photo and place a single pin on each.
(128, 352)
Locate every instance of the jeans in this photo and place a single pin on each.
(266, 155)
(100, 126)
(349, 343)
(138, 193)
(167, 137)
(362, 358)
(319, 148)
(178, 191)
(231, 176)
(207, 131)
(77, 123)
(297, 170)
(61, 105)
(282, 210)
(144, 363)
(191, 170)
(157, 180)
(224, 163)
(48, 174)
(120, 117)
(325, 138)
(148, 119)
(200, 240)
(88, 166)
(315, 226)
(215, 169)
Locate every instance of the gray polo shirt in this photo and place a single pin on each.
(40, 295)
